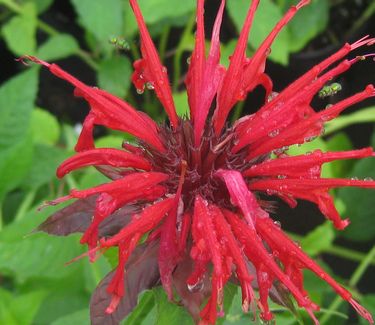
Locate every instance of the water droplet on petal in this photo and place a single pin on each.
(354, 178)
(188, 60)
(150, 85)
(195, 287)
(140, 91)
(277, 223)
(274, 133)
(368, 179)
(271, 96)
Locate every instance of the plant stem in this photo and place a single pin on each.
(25, 204)
(179, 50)
(361, 269)
(361, 20)
(340, 251)
(163, 42)
(84, 56)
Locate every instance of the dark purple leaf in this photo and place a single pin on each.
(77, 217)
(142, 272)
(192, 301)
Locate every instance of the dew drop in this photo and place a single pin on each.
(368, 179)
(354, 178)
(140, 91)
(272, 96)
(150, 85)
(281, 176)
(274, 133)
(188, 60)
(277, 223)
(195, 287)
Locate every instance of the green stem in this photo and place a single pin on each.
(238, 111)
(358, 273)
(72, 184)
(84, 56)
(25, 204)
(179, 51)
(340, 251)
(1, 215)
(361, 20)
(163, 42)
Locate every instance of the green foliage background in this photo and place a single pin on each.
(35, 285)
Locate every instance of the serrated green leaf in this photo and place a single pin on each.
(44, 127)
(80, 317)
(101, 18)
(114, 75)
(266, 17)
(24, 255)
(20, 32)
(58, 47)
(319, 239)
(17, 98)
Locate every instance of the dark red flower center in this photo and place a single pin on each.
(213, 153)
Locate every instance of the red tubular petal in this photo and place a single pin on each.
(226, 234)
(211, 79)
(279, 242)
(153, 69)
(86, 139)
(108, 111)
(116, 286)
(260, 257)
(194, 77)
(130, 183)
(306, 166)
(103, 156)
(255, 69)
(301, 132)
(228, 93)
(241, 196)
(141, 223)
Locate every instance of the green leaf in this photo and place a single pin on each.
(157, 11)
(307, 23)
(169, 313)
(182, 105)
(365, 115)
(20, 32)
(266, 17)
(340, 142)
(114, 75)
(58, 47)
(20, 309)
(25, 255)
(17, 98)
(101, 18)
(144, 312)
(359, 203)
(44, 127)
(80, 317)
(230, 291)
(319, 239)
(43, 169)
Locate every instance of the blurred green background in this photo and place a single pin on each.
(97, 41)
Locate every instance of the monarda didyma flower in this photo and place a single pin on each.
(189, 190)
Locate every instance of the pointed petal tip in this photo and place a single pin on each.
(361, 310)
(24, 58)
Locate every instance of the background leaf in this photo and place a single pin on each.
(58, 47)
(101, 18)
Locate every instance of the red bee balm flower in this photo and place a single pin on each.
(192, 186)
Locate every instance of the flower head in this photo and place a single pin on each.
(191, 187)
